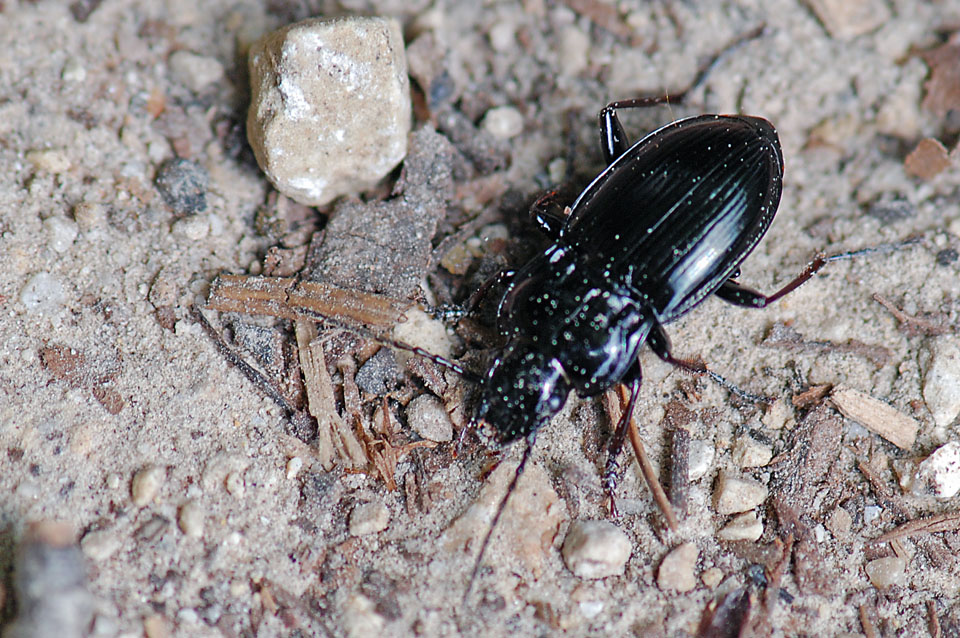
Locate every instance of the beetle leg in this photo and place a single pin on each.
(451, 313)
(611, 473)
(613, 139)
(659, 342)
(740, 295)
(543, 213)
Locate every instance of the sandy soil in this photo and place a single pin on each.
(105, 372)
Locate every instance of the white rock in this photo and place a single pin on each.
(428, 418)
(330, 110)
(677, 571)
(939, 473)
(595, 549)
(745, 527)
(734, 495)
(884, 572)
(146, 484)
(941, 379)
(748, 452)
(369, 518)
(503, 122)
(43, 293)
(190, 519)
(196, 72)
(700, 459)
(61, 232)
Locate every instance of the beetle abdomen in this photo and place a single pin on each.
(675, 215)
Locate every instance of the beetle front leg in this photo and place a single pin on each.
(611, 473)
(613, 139)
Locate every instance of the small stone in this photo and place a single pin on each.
(777, 415)
(839, 522)
(423, 331)
(884, 572)
(369, 518)
(73, 72)
(193, 228)
(379, 374)
(735, 495)
(928, 159)
(700, 459)
(330, 110)
(428, 418)
(360, 617)
(61, 233)
(712, 577)
(155, 626)
(595, 549)
(196, 72)
(89, 216)
(99, 545)
(939, 473)
(146, 484)
(43, 293)
(676, 572)
(748, 453)
(294, 466)
(941, 379)
(745, 527)
(49, 161)
(190, 519)
(183, 185)
(503, 122)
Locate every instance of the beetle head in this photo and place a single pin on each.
(523, 389)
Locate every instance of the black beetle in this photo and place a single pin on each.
(665, 225)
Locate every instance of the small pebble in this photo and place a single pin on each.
(884, 572)
(113, 480)
(49, 161)
(748, 453)
(294, 466)
(330, 110)
(941, 379)
(676, 572)
(700, 459)
(369, 518)
(155, 626)
(99, 545)
(839, 522)
(428, 418)
(503, 122)
(939, 473)
(73, 72)
(735, 495)
(89, 216)
(43, 293)
(60, 233)
(146, 484)
(712, 577)
(235, 484)
(196, 72)
(193, 228)
(183, 185)
(847, 19)
(190, 519)
(745, 527)
(360, 618)
(595, 549)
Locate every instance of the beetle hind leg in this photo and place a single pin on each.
(611, 472)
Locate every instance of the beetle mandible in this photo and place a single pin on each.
(664, 226)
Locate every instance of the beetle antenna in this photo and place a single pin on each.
(500, 509)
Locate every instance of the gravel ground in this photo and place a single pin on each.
(201, 511)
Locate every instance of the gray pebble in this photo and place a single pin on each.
(941, 379)
(379, 373)
(595, 549)
(428, 418)
(330, 110)
(196, 72)
(183, 185)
